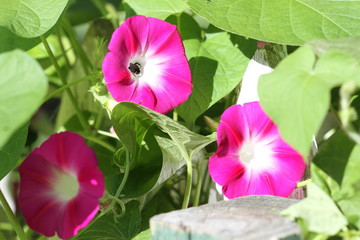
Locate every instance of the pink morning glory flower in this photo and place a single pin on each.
(252, 158)
(60, 186)
(147, 64)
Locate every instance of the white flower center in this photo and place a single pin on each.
(153, 66)
(256, 155)
(247, 152)
(65, 186)
(136, 66)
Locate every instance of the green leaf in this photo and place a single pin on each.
(217, 67)
(271, 54)
(99, 28)
(335, 170)
(10, 152)
(172, 158)
(105, 158)
(330, 163)
(297, 92)
(23, 85)
(147, 163)
(156, 8)
(290, 22)
(30, 19)
(9, 41)
(350, 189)
(79, 13)
(137, 126)
(348, 45)
(110, 227)
(145, 235)
(162, 202)
(186, 25)
(188, 142)
(319, 212)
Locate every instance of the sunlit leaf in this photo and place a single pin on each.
(350, 46)
(291, 22)
(9, 41)
(30, 18)
(100, 28)
(335, 170)
(296, 95)
(319, 212)
(178, 144)
(217, 67)
(10, 152)
(145, 235)
(110, 227)
(23, 85)
(157, 8)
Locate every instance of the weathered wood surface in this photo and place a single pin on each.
(251, 217)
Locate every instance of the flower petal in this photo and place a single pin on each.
(131, 37)
(43, 208)
(164, 39)
(115, 68)
(225, 169)
(164, 77)
(145, 96)
(251, 183)
(175, 90)
(77, 214)
(44, 219)
(273, 167)
(235, 120)
(262, 128)
(91, 182)
(139, 26)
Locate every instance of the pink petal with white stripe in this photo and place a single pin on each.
(147, 64)
(60, 185)
(252, 158)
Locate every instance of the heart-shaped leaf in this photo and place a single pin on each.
(23, 85)
(290, 22)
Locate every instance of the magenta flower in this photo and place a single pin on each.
(147, 64)
(60, 185)
(252, 158)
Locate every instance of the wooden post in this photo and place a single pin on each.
(250, 217)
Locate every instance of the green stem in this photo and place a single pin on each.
(58, 34)
(12, 219)
(107, 134)
(85, 62)
(122, 205)
(5, 226)
(100, 5)
(303, 183)
(28, 233)
(59, 90)
(126, 174)
(178, 22)
(101, 143)
(198, 184)
(115, 199)
(2, 237)
(112, 11)
(175, 115)
(207, 185)
(188, 184)
(99, 119)
(64, 82)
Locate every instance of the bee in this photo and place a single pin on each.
(135, 68)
